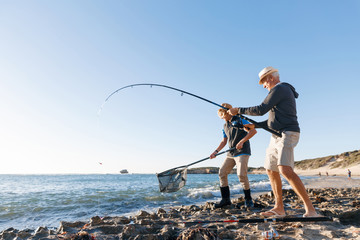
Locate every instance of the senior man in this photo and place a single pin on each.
(281, 105)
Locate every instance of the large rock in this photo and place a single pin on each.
(8, 235)
(70, 227)
(197, 233)
(350, 217)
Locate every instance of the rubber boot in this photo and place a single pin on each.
(248, 200)
(225, 197)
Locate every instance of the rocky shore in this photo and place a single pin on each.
(343, 204)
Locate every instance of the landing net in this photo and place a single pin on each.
(172, 180)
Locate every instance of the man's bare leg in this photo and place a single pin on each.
(299, 189)
(276, 186)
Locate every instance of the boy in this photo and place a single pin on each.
(237, 133)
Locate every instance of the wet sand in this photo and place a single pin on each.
(332, 181)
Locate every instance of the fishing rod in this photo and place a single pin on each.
(265, 220)
(159, 85)
(191, 94)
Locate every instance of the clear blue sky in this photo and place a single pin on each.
(59, 60)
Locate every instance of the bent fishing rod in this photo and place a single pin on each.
(193, 95)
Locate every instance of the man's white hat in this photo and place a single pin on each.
(266, 71)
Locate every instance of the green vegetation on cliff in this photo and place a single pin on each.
(343, 160)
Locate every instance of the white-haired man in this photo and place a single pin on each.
(281, 105)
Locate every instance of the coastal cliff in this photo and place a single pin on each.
(343, 160)
(334, 165)
(329, 165)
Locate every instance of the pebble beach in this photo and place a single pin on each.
(336, 197)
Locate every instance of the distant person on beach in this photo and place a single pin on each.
(327, 174)
(237, 133)
(319, 174)
(281, 105)
(349, 173)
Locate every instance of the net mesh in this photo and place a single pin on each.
(172, 180)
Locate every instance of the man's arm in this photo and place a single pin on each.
(269, 102)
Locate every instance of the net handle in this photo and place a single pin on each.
(201, 160)
(230, 149)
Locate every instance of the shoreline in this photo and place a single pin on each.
(355, 171)
(324, 171)
(337, 197)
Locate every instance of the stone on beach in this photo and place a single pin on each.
(175, 223)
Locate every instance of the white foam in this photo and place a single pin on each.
(203, 193)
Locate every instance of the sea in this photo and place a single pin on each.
(31, 201)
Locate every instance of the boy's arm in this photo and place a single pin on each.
(248, 127)
(251, 133)
(218, 149)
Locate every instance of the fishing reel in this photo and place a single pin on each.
(237, 122)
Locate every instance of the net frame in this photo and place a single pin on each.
(174, 179)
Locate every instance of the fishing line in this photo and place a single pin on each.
(191, 94)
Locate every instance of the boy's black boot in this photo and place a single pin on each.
(225, 197)
(248, 200)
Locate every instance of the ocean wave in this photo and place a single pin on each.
(202, 193)
(44, 200)
(262, 185)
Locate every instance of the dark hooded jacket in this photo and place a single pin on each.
(282, 106)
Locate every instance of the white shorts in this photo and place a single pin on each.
(281, 150)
